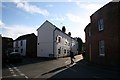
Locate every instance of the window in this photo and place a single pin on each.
(59, 51)
(66, 42)
(68, 51)
(101, 24)
(101, 48)
(58, 39)
(16, 50)
(16, 44)
(64, 51)
(21, 43)
(21, 50)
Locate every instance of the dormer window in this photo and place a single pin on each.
(101, 24)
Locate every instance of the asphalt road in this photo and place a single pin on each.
(56, 68)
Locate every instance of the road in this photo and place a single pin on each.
(56, 68)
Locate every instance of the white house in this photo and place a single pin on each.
(20, 46)
(52, 42)
(26, 45)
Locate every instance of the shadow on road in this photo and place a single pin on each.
(55, 70)
(83, 70)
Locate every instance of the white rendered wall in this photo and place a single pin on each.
(19, 47)
(62, 45)
(45, 40)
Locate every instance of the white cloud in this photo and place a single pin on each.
(15, 31)
(31, 8)
(78, 23)
(73, 18)
(57, 18)
(1, 24)
(69, 0)
(92, 6)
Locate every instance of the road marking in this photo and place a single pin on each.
(12, 68)
(26, 77)
(12, 72)
(22, 74)
(9, 68)
(14, 75)
(66, 61)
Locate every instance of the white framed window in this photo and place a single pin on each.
(59, 50)
(64, 51)
(58, 39)
(66, 42)
(102, 48)
(101, 24)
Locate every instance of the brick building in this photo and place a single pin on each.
(103, 35)
(7, 45)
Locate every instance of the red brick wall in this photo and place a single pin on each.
(110, 34)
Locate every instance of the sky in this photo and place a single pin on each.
(20, 17)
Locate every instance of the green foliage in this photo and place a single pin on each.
(80, 43)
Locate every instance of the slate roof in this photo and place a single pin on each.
(25, 36)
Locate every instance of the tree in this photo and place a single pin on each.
(80, 43)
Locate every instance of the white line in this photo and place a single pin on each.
(11, 70)
(66, 61)
(15, 67)
(20, 73)
(14, 75)
(11, 67)
(26, 77)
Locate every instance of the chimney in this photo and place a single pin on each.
(64, 29)
(69, 33)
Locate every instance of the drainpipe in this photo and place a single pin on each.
(54, 42)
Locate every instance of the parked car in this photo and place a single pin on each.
(14, 57)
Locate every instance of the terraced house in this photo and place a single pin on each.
(53, 42)
(103, 35)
